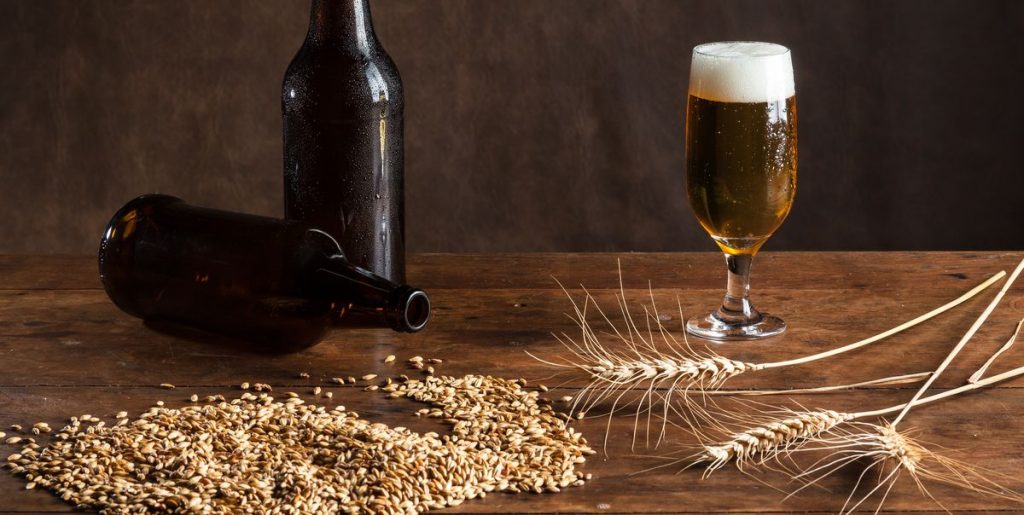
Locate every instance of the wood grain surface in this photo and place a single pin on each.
(66, 350)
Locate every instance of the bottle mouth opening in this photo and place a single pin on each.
(417, 311)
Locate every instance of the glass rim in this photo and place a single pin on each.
(697, 50)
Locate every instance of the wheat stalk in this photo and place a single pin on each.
(894, 452)
(647, 357)
(770, 439)
(963, 341)
(884, 444)
(977, 375)
(897, 449)
(849, 440)
(773, 437)
(883, 381)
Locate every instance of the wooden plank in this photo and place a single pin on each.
(608, 512)
(57, 272)
(858, 271)
(65, 349)
(80, 338)
(978, 429)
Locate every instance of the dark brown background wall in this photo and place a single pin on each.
(531, 124)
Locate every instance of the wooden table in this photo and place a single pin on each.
(66, 350)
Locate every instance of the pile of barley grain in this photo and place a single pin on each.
(258, 454)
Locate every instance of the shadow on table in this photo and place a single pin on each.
(213, 340)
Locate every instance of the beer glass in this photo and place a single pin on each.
(740, 168)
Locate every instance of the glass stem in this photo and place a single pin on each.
(736, 307)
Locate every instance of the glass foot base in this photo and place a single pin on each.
(712, 328)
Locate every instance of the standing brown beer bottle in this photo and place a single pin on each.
(343, 165)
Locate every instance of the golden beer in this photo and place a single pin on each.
(741, 168)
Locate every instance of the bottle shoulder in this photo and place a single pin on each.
(327, 70)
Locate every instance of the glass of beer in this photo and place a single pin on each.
(740, 167)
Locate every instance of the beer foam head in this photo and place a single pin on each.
(741, 71)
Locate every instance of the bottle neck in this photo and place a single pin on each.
(342, 24)
(404, 308)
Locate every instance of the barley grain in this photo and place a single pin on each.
(256, 454)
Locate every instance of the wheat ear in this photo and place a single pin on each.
(766, 441)
(897, 450)
(883, 444)
(770, 439)
(648, 357)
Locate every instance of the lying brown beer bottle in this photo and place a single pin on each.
(280, 283)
